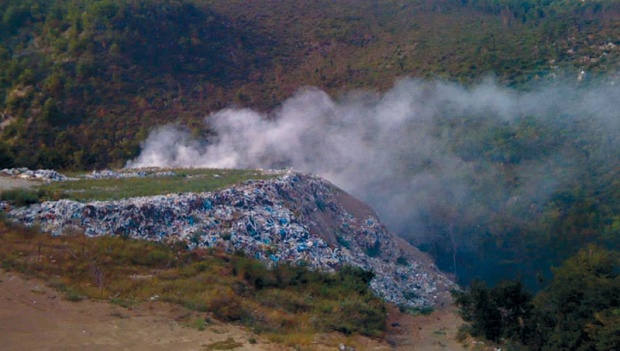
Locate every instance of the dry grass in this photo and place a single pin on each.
(288, 304)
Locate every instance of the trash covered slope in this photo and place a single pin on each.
(293, 218)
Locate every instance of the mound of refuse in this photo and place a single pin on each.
(39, 174)
(295, 218)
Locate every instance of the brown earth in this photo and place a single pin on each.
(36, 317)
(435, 332)
(7, 183)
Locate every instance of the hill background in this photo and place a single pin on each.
(83, 81)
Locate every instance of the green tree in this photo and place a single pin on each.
(6, 156)
(576, 311)
(495, 313)
(15, 16)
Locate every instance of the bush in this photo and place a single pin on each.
(417, 311)
(402, 261)
(15, 17)
(22, 197)
(353, 316)
(495, 313)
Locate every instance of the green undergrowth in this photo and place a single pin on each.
(186, 180)
(285, 300)
(22, 197)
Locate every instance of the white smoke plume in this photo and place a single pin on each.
(418, 146)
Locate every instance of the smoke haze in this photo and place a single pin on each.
(421, 149)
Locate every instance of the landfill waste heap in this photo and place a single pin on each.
(295, 217)
(40, 174)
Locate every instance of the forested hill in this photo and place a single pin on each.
(83, 81)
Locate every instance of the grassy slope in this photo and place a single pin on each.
(190, 180)
(287, 304)
(82, 189)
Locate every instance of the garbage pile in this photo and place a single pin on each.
(107, 173)
(41, 174)
(276, 220)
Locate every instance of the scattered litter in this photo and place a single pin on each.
(107, 174)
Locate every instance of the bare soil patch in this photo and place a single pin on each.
(434, 332)
(8, 183)
(36, 317)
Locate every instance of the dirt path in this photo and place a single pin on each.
(435, 332)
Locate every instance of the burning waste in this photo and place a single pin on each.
(295, 218)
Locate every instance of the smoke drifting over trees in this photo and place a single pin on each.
(440, 162)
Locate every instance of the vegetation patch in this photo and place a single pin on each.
(578, 310)
(195, 180)
(416, 311)
(22, 197)
(228, 344)
(231, 287)
(199, 323)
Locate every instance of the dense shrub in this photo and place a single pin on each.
(21, 197)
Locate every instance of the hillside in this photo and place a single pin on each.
(83, 82)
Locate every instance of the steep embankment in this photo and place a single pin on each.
(292, 218)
